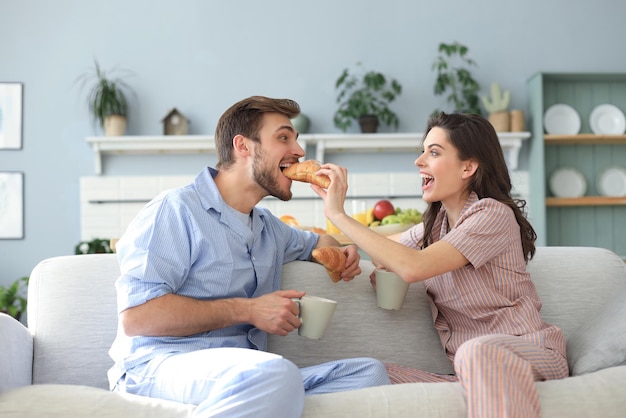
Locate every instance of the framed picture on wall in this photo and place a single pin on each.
(11, 115)
(11, 205)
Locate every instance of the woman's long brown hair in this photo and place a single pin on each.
(475, 138)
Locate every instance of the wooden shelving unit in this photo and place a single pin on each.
(590, 220)
(585, 139)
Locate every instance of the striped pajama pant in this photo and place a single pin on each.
(498, 374)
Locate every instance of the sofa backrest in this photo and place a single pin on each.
(574, 283)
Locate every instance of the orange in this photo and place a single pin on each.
(289, 220)
(331, 228)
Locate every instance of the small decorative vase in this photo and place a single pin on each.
(368, 123)
(501, 121)
(114, 125)
(301, 123)
(517, 121)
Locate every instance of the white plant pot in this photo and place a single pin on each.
(114, 125)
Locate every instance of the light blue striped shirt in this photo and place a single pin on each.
(188, 241)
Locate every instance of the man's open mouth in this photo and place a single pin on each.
(282, 166)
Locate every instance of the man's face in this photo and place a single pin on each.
(277, 148)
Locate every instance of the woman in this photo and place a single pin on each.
(471, 252)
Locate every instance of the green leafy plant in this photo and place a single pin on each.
(106, 96)
(365, 93)
(95, 246)
(455, 80)
(13, 298)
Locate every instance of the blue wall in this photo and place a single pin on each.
(201, 56)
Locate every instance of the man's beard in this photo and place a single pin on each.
(264, 177)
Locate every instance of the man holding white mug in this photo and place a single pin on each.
(200, 278)
(315, 315)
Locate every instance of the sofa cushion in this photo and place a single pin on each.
(599, 394)
(601, 342)
(72, 313)
(64, 401)
(360, 328)
(574, 283)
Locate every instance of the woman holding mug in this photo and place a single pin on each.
(471, 252)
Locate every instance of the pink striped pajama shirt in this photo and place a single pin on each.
(487, 315)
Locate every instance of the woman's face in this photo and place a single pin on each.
(444, 175)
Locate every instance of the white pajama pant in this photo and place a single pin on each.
(238, 382)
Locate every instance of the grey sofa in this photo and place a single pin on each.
(57, 366)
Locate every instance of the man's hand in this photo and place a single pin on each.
(276, 313)
(352, 256)
(352, 262)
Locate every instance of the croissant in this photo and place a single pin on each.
(333, 259)
(305, 171)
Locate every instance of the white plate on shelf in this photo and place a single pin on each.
(607, 119)
(612, 182)
(561, 119)
(568, 182)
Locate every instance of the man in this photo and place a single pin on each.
(200, 279)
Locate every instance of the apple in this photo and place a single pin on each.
(383, 208)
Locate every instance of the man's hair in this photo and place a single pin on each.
(245, 118)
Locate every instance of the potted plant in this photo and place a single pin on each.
(365, 97)
(106, 100)
(95, 246)
(13, 299)
(455, 80)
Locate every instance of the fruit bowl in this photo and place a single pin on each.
(391, 229)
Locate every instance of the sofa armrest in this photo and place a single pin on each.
(16, 361)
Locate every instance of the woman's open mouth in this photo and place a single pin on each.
(427, 181)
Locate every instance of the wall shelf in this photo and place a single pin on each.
(188, 144)
(511, 143)
(585, 201)
(584, 139)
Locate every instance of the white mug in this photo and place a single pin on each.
(390, 290)
(315, 315)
